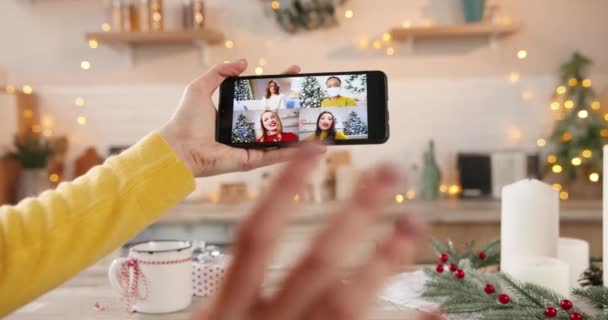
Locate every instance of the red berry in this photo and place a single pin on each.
(489, 289)
(453, 267)
(444, 258)
(566, 304)
(576, 316)
(459, 274)
(503, 298)
(550, 312)
(482, 255)
(439, 268)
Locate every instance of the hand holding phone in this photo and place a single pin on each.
(278, 110)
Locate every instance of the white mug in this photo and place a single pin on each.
(156, 277)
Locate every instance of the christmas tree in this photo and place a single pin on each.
(242, 90)
(243, 131)
(354, 125)
(311, 94)
(580, 132)
(356, 83)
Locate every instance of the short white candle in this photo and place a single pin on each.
(605, 215)
(529, 220)
(575, 253)
(550, 273)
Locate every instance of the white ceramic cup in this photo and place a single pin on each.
(156, 277)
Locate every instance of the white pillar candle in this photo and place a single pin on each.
(550, 273)
(575, 253)
(529, 223)
(605, 215)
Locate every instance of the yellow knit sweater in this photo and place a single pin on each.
(46, 240)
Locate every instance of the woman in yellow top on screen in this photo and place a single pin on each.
(334, 84)
(326, 129)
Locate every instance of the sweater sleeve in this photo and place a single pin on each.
(48, 239)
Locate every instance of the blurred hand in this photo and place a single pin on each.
(314, 289)
(191, 130)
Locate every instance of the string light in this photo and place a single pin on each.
(410, 195)
(595, 105)
(54, 178)
(296, 198)
(399, 198)
(604, 133)
(259, 71)
(567, 136)
(514, 76)
(81, 120)
(569, 104)
(262, 62)
(443, 188)
(377, 44)
(554, 105)
(9, 89)
(551, 158)
(563, 195)
(454, 189)
(28, 113)
(586, 83)
(572, 82)
(526, 95)
(560, 90)
(105, 27)
(79, 101)
(576, 161)
(606, 117)
(587, 153)
(348, 14)
(47, 132)
(85, 65)
(406, 24)
(583, 114)
(226, 61)
(556, 168)
(557, 186)
(93, 44)
(541, 142)
(214, 197)
(594, 177)
(522, 54)
(47, 121)
(386, 36)
(363, 43)
(27, 89)
(275, 5)
(229, 44)
(390, 51)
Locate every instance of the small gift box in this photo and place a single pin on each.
(208, 274)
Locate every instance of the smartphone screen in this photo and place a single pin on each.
(338, 108)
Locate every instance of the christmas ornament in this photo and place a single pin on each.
(453, 267)
(550, 312)
(489, 289)
(444, 258)
(576, 316)
(482, 256)
(439, 268)
(566, 304)
(459, 274)
(503, 298)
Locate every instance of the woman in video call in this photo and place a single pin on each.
(334, 85)
(326, 129)
(272, 129)
(273, 99)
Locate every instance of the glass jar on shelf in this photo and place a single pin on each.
(156, 15)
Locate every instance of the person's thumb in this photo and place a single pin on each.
(208, 82)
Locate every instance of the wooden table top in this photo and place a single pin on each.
(76, 299)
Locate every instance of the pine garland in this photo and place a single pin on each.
(486, 257)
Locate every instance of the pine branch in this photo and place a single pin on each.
(596, 296)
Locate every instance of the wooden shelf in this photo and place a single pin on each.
(452, 31)
(157, 37)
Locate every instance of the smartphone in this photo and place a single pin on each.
(339, 108)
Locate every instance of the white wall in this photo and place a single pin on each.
(455, 91)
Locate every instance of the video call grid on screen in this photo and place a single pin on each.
(291, 109)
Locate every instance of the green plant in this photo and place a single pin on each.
(31, 152)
